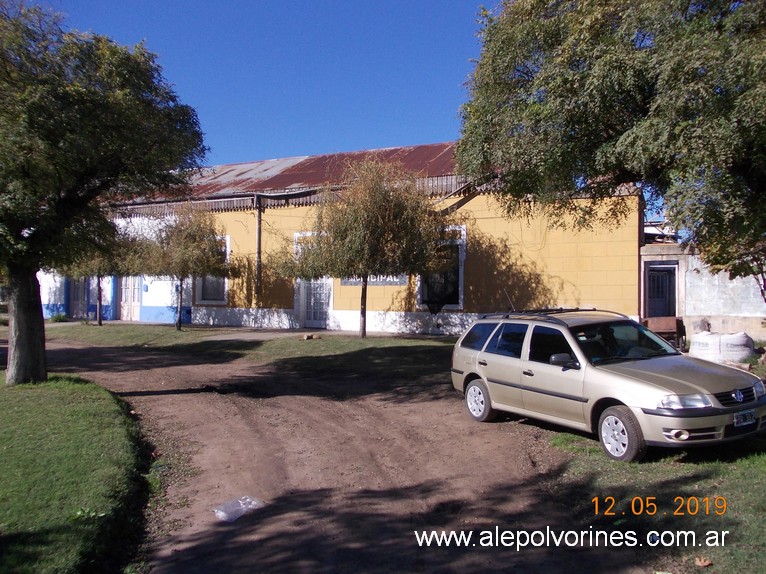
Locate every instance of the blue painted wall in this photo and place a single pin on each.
(164, 315)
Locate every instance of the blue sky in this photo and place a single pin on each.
(281, 78)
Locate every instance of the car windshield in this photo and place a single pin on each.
(620, 341)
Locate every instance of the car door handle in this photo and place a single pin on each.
(528, 373)
(483, 363)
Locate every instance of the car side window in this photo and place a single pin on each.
(547, 341)
(508, 340)
(477, 336)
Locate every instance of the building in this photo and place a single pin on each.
(499, 263)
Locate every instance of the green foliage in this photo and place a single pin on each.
(573, 99)
(71, 496)
(83, 121)
(117, 251)
(188, 243)
(377, 223)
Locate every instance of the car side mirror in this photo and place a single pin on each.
(564, 360)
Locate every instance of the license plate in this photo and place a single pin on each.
(744, 418)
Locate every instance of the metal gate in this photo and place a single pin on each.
(661, 292)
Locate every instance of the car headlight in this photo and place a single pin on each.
(698, 401)
(759, 389)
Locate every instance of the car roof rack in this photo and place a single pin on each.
(547, 313)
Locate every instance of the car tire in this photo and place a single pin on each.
(620, 434)
(478, 402)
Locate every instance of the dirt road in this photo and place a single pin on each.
(346, 476)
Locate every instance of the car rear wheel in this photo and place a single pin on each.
(620, 434)
(478, 402)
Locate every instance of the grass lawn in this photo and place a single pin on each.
(128, 335)
(71, 492)
(701, 490)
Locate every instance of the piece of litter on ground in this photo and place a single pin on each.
(230, 510)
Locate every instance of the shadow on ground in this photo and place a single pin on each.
(333, 530)
(73, 359)
(406, 373)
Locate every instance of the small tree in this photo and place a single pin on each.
(378, 224)
(187, 244)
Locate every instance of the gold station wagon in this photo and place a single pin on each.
(601, 372)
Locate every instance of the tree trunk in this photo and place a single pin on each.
(99, 306)
(26, 328)
(363, 309)
(180, 303)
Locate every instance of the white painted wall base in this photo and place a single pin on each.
(240, 317)
(422, 323)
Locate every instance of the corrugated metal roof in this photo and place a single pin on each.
(295, 181)
(311, 172)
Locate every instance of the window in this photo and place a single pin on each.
(445, 288)
(213, 289)
(508, 340)
(547, 341)
(476, 337)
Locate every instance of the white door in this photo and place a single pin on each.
(130, 298)
(315, 302)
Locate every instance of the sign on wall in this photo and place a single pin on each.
(376, 280)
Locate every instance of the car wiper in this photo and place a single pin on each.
(657, 354)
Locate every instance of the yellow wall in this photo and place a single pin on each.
(278, 228)
(520, 260)
(535, 266)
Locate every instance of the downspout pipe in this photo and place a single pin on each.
(259, 209)
(258, 244)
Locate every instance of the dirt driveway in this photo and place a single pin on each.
(346, 477)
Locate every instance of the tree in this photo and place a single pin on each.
(377, 223)
(83, 122)
(188, 244)
(572, 99)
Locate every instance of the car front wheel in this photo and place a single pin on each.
(620, 434)
(478, 402)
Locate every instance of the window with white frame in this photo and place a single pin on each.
(213, 289)
(444, 289)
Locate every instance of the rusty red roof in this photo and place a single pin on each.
(307, 172)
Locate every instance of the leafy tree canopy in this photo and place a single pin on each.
(83, 121)
(576, 98)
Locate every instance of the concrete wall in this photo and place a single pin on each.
(711, 301)
(719, 304)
